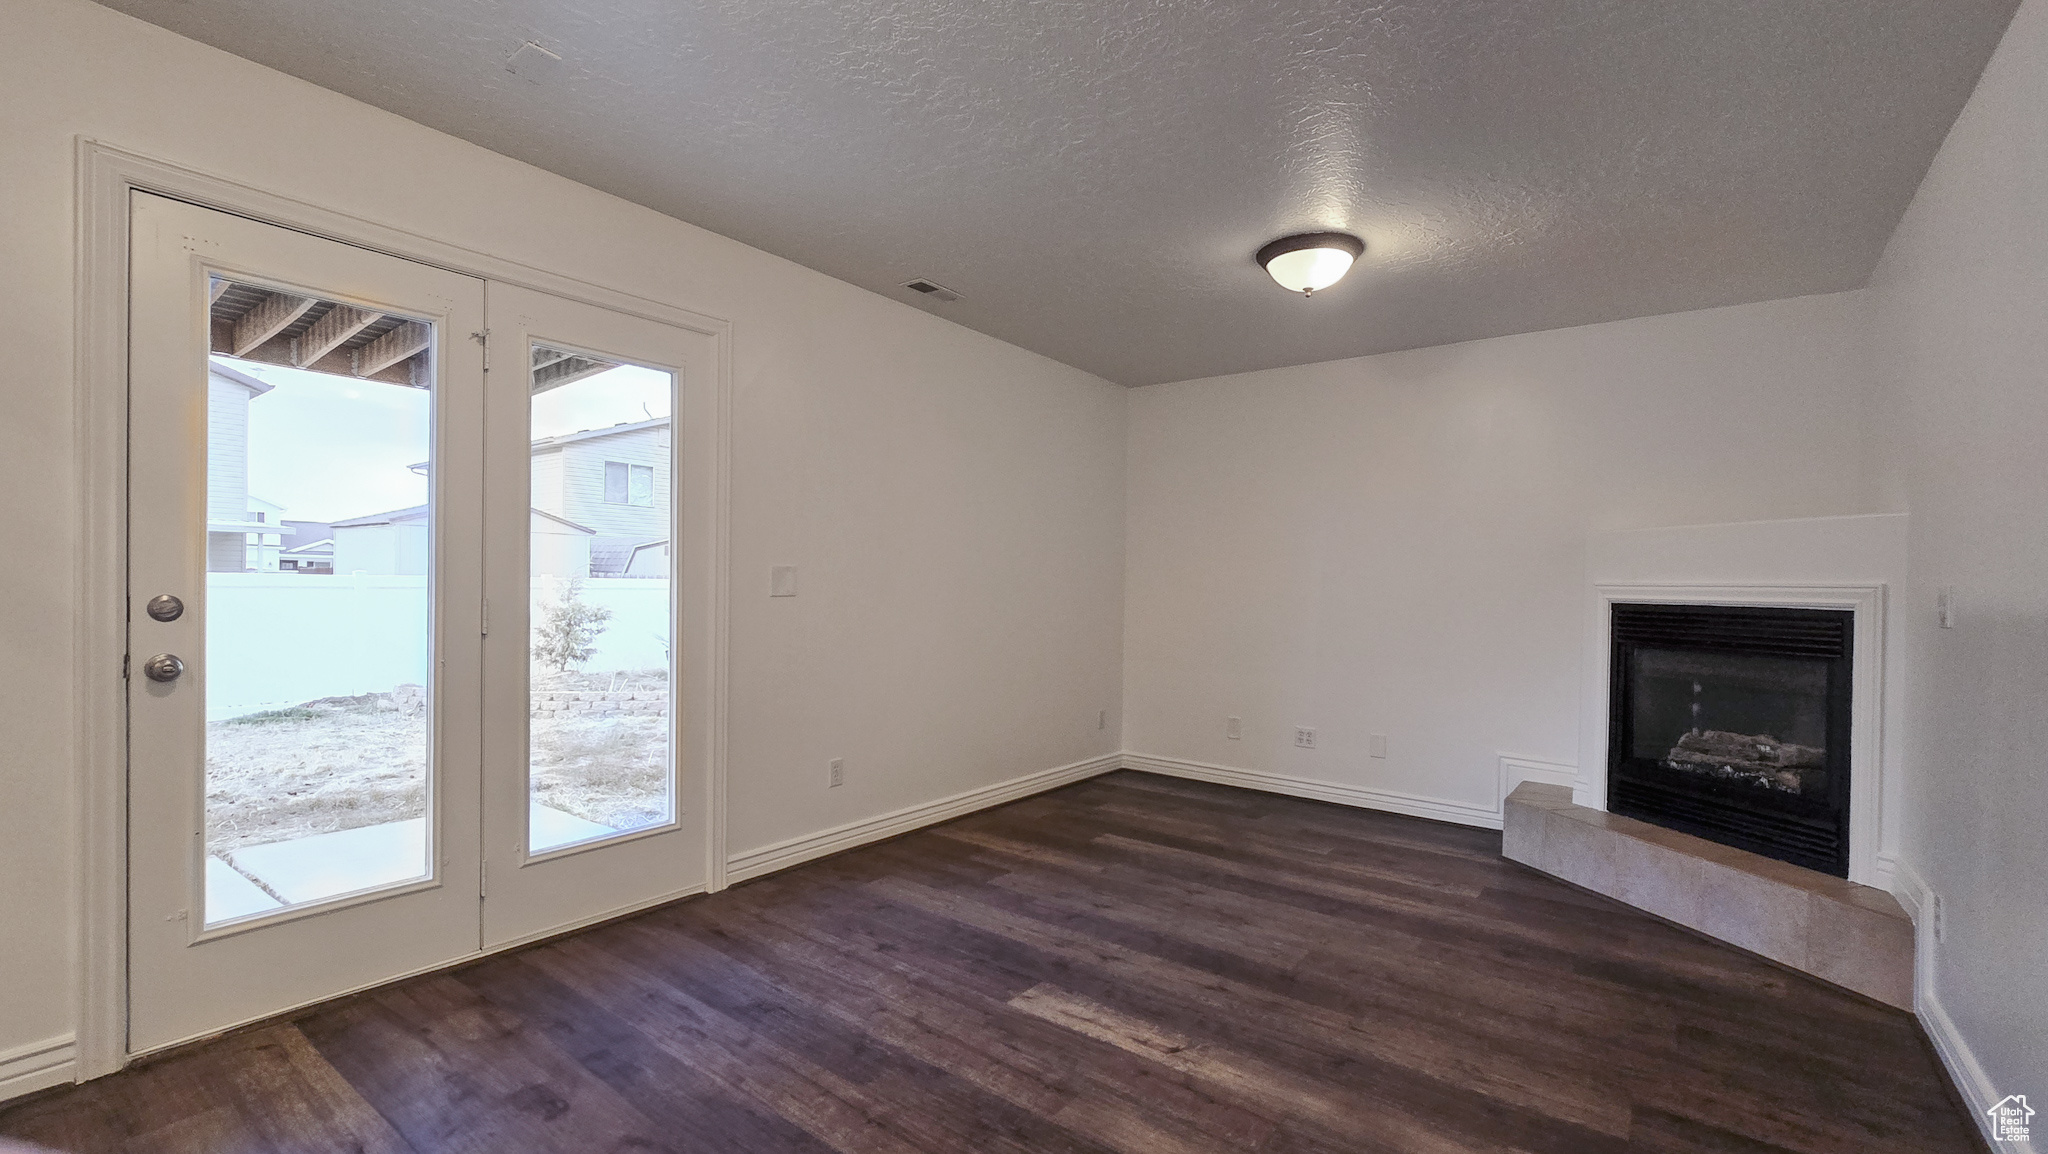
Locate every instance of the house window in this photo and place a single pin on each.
(626, 484)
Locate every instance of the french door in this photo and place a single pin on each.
(397, 692)
(598, 585)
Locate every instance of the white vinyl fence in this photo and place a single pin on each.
(280, 639)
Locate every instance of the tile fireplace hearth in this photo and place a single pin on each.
(1851, 935)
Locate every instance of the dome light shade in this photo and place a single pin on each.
(1311, 260)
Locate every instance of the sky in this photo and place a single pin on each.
(329, 448)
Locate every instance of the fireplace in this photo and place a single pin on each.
(1732, 723)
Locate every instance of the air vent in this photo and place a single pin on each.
(932, 289)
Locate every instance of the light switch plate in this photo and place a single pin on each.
(1376, 744)
(782, 581)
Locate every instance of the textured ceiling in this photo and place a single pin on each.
(1094, 175)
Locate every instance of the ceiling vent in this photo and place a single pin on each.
(932, 289)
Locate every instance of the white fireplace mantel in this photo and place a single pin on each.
(1850, 563)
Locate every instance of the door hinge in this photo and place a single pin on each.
(483, 878)
(487, 617)
(483, 339)
(124, 667)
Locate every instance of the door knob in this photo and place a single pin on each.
(163, 667)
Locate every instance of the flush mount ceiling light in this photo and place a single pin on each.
(1309, 261)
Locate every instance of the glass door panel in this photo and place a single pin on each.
(599, 574)
(599, 759)
(318, 600)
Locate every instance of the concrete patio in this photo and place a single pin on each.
(257, 879)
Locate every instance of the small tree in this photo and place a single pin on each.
(568, 627)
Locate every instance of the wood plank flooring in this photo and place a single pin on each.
(1133, 963)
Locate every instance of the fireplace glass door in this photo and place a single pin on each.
(1743, 720)
(1732, 723)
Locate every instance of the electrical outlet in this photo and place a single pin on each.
(1376, 744)
(838, 767)
(782, 581)
(1233, 728)
(1304, 737)
(1102, 719)
(1945, 606)
(1934, 913)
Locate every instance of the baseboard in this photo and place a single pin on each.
(1516, 770)
(37, 1066)
(1391, 801)
(1965, 1072)
(767, 859)
(1963, 1069)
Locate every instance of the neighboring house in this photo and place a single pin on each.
(397, 543)
(616, 481)
(383, 543)
(649, 560)
(230, 523)
(261, 548)
(308, 547)
(316, 558)
(600, 509)
(560, 547)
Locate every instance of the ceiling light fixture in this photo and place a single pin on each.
(1309, 261)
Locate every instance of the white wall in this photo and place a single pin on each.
(279, 639)
(636, 635)
(954, 504)
(1396, 544)
(1960, 305)
(383, 547)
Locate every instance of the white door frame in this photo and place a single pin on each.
(529, 895)
(105, 176)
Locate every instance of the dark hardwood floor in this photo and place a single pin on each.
(1129, 964)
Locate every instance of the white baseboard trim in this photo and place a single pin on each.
(1969, 1076)
(1516, 770)
(1971, 1080)
(37, 1066)
(1391, 801)
(769, 858)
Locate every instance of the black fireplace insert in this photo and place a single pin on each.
(1732, 723)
